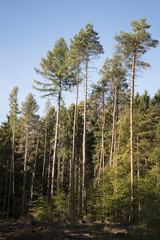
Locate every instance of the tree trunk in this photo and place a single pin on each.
(25, 173)
(58, 171)
(73, 147)
(84, 144)
(49, 172)
(114, 125)
(75, 183)
(56, 139)
(102, 143)
(131, 138)
(79, 185)
(62, 177)
(44, 158)
(34, 170)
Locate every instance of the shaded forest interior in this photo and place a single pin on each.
(95, 161)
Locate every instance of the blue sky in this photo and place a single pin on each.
(29, 28)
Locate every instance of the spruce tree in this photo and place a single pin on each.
(29, 120)
(114, 77)
(13, 121)
(58, 78)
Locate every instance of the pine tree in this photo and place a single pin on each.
(133, 46)
(91, 48)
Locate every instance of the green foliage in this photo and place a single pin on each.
(42, 209)
(136, 43)
(50, 209)
(55, 70)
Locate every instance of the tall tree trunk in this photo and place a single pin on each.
(84, 144)
(49, 172)
(56, 139)
(25, 173)
(44, 158)
(75, 182)
(73, 147)
(79, 185)
(131, 138)
(114, 125)
(34, 170)
(58, 170)
(102, 139)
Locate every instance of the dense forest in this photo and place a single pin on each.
(97, 160)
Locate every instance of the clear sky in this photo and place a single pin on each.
(29, 28)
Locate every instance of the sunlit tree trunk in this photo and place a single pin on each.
(131, 138)
(79, 186)
(73, 147)
(84, 144)
(49, 172)
(58, 171)
(113, 142)
(102, 139)
(56, 139)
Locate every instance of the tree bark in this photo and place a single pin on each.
(102, 140)
(79, 185)
(131, 138)
(25, 173)
(114, 125)
(44, 158)
(73, 147)
(34, 170)
(49, 172)
(58, 171)
(56, 139)
(84, 144)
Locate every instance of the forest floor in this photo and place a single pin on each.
(24, 230)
